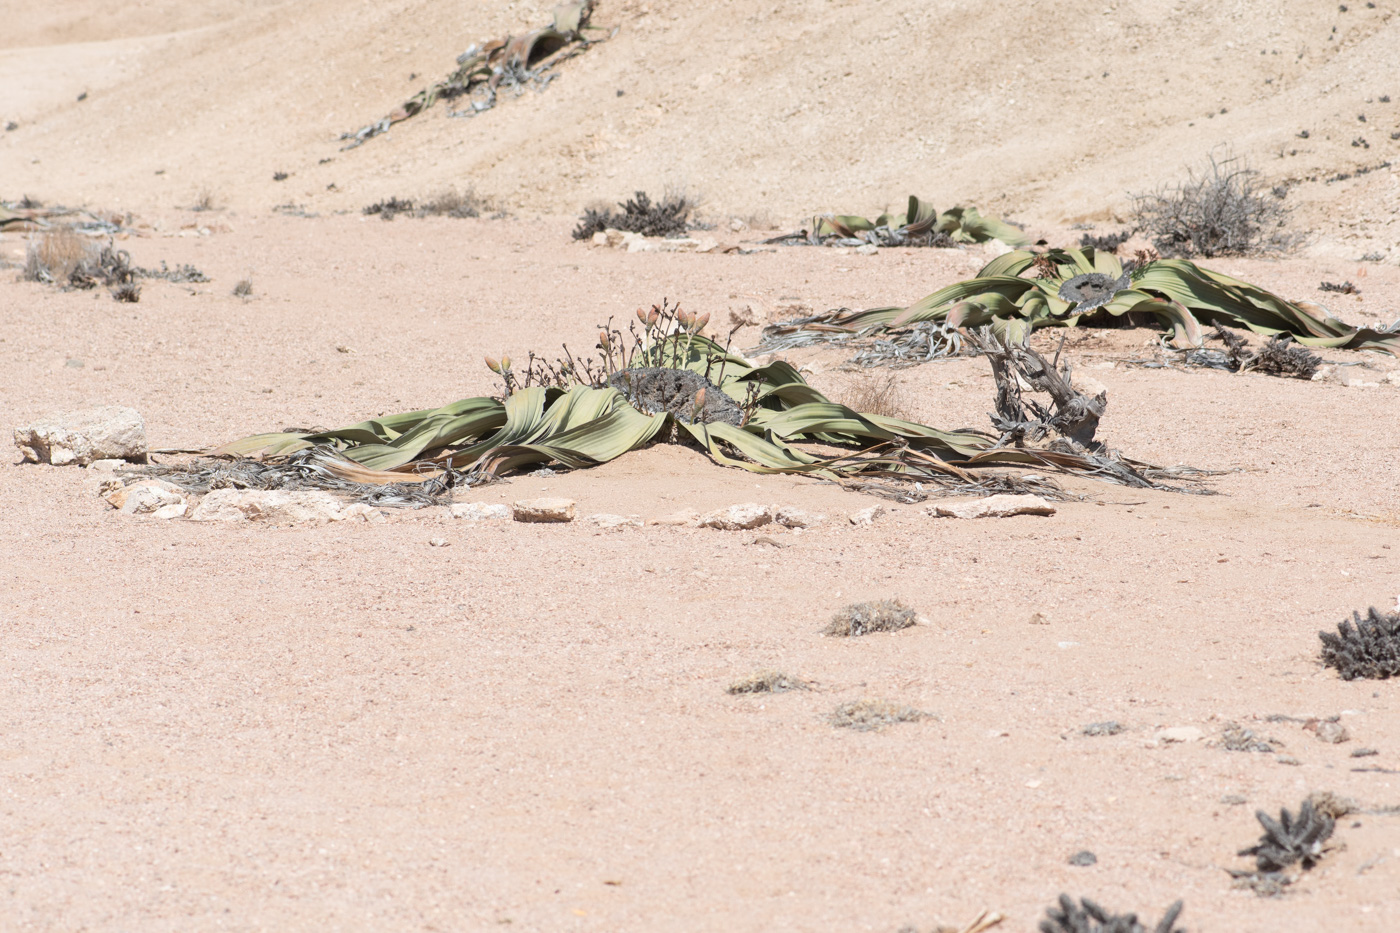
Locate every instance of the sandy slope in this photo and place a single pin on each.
(785, 109)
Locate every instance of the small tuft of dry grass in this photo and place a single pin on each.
(55, 256)
(454, 203)
(873, 715)
(880, 615)
(244, 288)
(204, 202)
(768, 682)
(876, 394)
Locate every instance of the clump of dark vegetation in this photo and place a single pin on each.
(1279, 357)
(388, 209)
(1108, 243)
(1345, 288)
(180, 274)
(768, 682)
(449, 203)
(873, 715)
(244, 288)
(1089, 917)
(280, 176)
(880, 615)
(1223, 210)
(128, 292)
(1365, 647)
(1288, 841)
(205, 202)
(669, 218)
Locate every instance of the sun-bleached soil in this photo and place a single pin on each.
(344, 727)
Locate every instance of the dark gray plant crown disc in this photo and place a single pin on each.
(1092, 289)
(659, 390)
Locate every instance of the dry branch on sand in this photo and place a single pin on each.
(920, 225)
(512, 63)
(1088, 917)
(582, 411)
(1365, 647)
(1072, 287)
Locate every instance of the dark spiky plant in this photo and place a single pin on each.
(1290, 839)
(1088, 917)
(639, 214)
(1365, 647)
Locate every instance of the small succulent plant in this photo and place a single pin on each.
(1365, 647)
(1089, 917)
(1291, 839)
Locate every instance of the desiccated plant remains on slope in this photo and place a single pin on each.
(669, 218)
(768, 682)
(449, 203)
(1070, 287)
(1288, 841)
(1108, 242)
(1279, 357)
(71, 260)
(512, 63)
(1089, 917)
(1365, 647)
(880, 615)
(920, 225)
(873, 715)
(1223, 210)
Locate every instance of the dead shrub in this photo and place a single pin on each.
(56, 255)
(669, 218)
(768, 682)
(873, 715)
(880, 615)
(454, 203)
(876, 394)
(1108, 243)
(204, 202)
(128, 292)
(244, 288)
(1222, 209)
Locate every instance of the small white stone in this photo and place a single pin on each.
(274, 506)
(480, 511)
(866, 516)
(600, 238)
(171, 511)
(107, 433)
(677, 519)
(1001, 506)
(107, 466)
(789, 517)
(361, 511)
(738, 517)
(439, 542)
(608, 521)
(548, 509)
(869, 249)
(146, 498)
(1179, 734)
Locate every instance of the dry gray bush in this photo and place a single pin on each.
(768, 682)
(56, 255)
(873, 715)
(880, 615)
(1221, 209)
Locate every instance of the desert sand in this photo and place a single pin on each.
(526, 727)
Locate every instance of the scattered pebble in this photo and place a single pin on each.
(1363, 752)
(1333, 733)
(480, 511)
(1108, 727)
(1179, 734)
(1000, 506)
(1083, 859)
(866, 517)
(678, 519)
(608, 521)
(111, 432)
(439, 542)
(546, 510)
(1287, 760)
(789, 517)
(738, 517)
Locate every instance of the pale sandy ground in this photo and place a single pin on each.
(342, 727)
